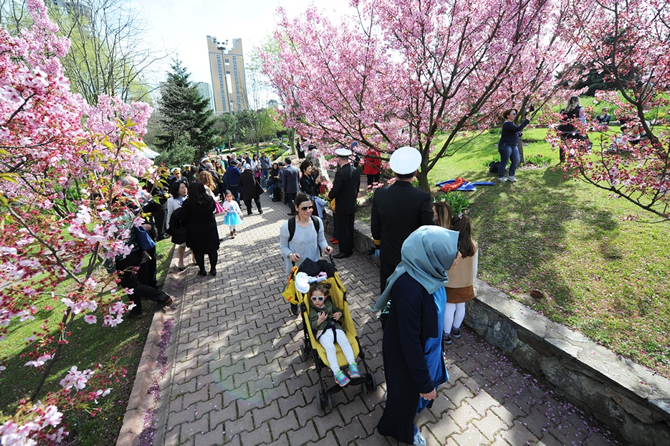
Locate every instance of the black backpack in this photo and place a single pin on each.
(291, 227)
(493, 167)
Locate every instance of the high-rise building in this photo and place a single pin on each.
(226, 65)
(205, 91)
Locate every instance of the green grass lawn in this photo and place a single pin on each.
(602, 275)
(88, 345)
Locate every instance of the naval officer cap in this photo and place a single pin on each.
(405, 160)
(343, 152)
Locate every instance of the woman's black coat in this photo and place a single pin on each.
(203, 236)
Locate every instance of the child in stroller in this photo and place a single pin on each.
(325, 320)
(299, 291)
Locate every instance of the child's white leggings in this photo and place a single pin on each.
(453, 316)
(328, 342)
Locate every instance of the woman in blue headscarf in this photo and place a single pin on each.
(412, 346)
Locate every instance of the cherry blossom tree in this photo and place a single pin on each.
(629, 43)
(61, 213)
(403, 72)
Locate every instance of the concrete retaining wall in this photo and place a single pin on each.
(628, 398)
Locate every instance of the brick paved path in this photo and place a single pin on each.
(236, 376)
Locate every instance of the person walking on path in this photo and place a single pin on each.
(307, 241)
(412, 345)
(345, 188)
(290, 180)
(265, 169)
(398, 210)
(233, 217)
(233, 179)
(198, 217)
(251, 190)
(179, 193)
(508, 146)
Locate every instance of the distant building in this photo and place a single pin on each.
(226, 66)
(205, 91)
(72, 7)
(272, 103)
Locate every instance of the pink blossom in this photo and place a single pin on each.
(76, 379)
(90, 319)
(39, 362)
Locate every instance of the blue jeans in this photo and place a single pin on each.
(507, 152)
(265, 176)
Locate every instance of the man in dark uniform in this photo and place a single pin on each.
(398, 210)
(345, 191)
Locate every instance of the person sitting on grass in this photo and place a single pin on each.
(326, 322)
(603, 119)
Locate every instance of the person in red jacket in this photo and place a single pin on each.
(372, 166)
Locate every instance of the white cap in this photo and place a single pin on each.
(405, 160)
(343, 152)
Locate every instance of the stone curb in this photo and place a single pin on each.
(140, 398)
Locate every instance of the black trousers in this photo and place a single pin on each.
(200, 260)
(289, 199)
(345, 232)
(373, 179)
(147, 273)
(128, 275)
(247, 203)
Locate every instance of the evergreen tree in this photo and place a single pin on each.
(185, 117)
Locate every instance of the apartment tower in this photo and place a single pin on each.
(226, 65)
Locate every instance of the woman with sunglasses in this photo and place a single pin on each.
(307, 242)
(508, 147)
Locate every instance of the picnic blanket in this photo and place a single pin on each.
(461, 184)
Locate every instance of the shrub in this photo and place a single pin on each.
(457, 201)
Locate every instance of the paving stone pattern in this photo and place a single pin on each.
(237, 378)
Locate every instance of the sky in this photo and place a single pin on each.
(181, 27)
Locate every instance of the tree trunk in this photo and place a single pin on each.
(423, 181)
(521, 159)
(291, 140)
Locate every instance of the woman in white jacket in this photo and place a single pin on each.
(179, 192)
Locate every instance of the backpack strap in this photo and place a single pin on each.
(291, 229)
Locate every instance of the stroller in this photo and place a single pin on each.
(311, 347)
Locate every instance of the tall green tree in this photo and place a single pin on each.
(185, 117)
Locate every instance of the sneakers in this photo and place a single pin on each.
(511, 179)
(342, 379)
(502, 179)
(456, 332)
(419, 440)
(446, 340)
(353, 371)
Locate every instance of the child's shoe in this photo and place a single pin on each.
(353, 371)
(456, 333)
(341, 378)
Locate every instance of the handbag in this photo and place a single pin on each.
(219, 208)
(144, 240)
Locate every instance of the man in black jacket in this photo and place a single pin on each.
(345, 191)
(290, 184)
(398, 210)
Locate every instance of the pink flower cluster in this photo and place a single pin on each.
(76, 379)
(14, 434)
